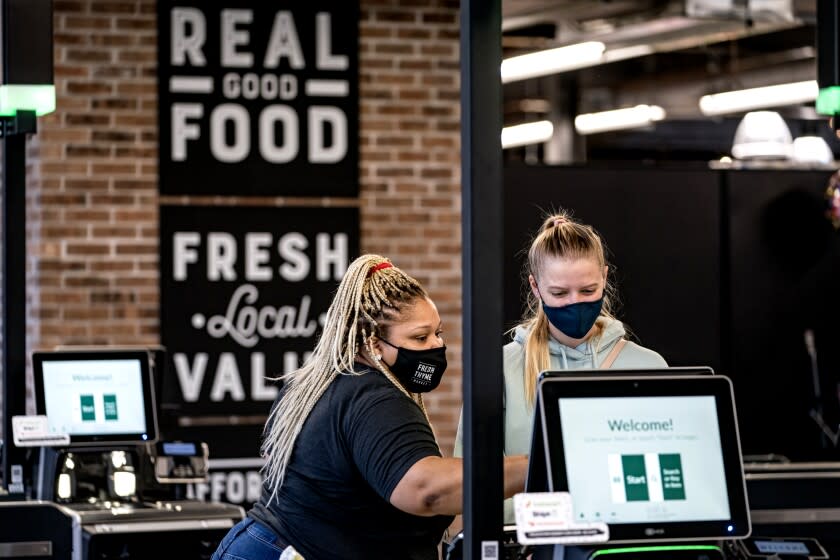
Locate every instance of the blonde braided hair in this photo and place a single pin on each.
(371, 295)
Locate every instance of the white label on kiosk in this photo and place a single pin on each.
(547, 518)
(33, 431)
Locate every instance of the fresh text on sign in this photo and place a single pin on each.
(294, 265)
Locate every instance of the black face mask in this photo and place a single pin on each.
(420, 371)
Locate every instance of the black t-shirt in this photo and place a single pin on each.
(358, 442)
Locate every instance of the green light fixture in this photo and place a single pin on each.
(26, 42)
(828, 58)
(828, 101)
(15, 97)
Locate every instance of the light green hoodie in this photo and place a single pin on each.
(588, 355)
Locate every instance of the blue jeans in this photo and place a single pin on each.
(249, 540)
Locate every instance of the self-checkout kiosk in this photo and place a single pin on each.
(639, 465)
(100, 470)
(655, 459)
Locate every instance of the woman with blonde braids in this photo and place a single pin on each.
(569, 325)
(353, 470)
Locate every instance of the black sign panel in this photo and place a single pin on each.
(258, 98)
(243, 295)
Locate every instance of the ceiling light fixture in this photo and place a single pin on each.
(618, 119)
(762, 135)
(526, 133)
(551, 61)
(759, 98)
(812, 149)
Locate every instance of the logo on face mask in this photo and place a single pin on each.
(419, 371)
(424, 374)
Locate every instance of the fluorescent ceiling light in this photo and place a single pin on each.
(759, 98)
(617, 119)
(527, 133)
(623, 53)
(551, 61)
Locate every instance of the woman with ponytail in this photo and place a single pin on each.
(569, 324)
(353, 469)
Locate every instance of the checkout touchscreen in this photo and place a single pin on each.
(97, 398)
(656, 457)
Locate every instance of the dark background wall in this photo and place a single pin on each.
(725, 268)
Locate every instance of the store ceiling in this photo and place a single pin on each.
(674, 56)
(621, 21)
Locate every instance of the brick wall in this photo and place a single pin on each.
(410, 163)
(96, 270)
(93, 187)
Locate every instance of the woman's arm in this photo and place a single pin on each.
(434, 485)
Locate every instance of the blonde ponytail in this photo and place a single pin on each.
(559, 237)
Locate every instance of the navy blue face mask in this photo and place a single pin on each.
(420, 371)
(576, 319)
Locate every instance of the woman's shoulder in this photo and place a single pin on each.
(513, 358)
(634, 355)
(364, 382)
(517, 342)
(363, 395)
(513, 347)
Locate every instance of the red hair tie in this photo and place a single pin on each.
(380, 266)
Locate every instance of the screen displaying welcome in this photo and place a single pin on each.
(644, 459)
(92, 397)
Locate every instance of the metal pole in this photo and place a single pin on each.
(14, 299)
(481, 221)
(828, 43)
